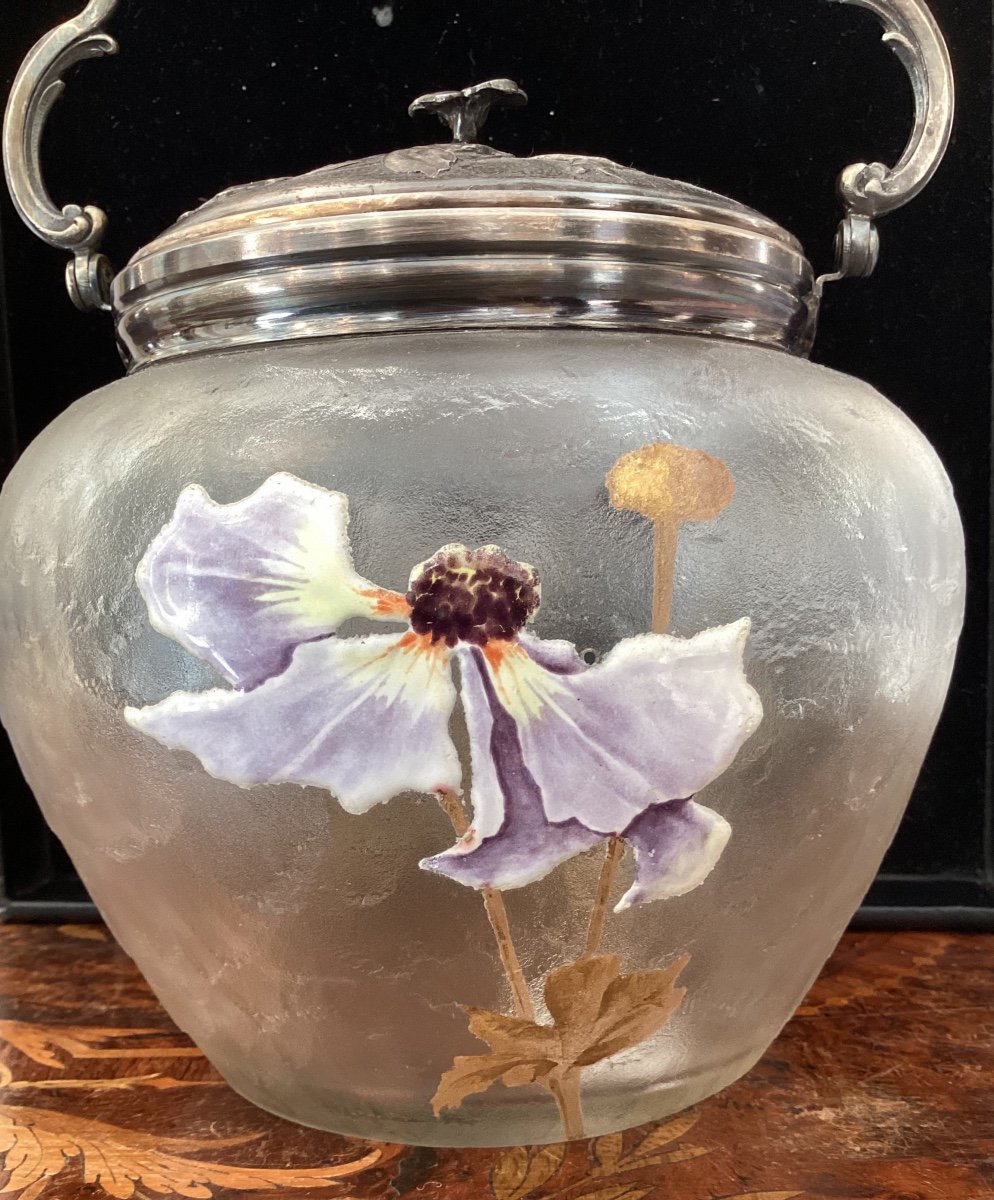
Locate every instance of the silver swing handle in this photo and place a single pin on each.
(37, 87)
(868, 190)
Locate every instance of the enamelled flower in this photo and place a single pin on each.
(563, 754)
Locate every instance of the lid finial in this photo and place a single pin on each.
(466, 111)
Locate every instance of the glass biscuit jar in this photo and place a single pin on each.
(473, 658)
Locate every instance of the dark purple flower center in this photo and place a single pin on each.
(464, 595)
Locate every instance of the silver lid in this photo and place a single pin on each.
(461, 236)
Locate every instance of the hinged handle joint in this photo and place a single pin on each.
(868, 190)
(37, 87)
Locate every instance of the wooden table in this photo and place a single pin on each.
(881, 1088)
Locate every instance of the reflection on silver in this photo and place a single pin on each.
(429, 238)
(461, 237)
(870, 190)
(465, 112)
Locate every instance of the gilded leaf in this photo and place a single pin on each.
(513, 1035)
(596, 1012)
(37, 1144)
(521, 1052)
(662, 1135)
(520, 1170)
(474, 1073)
(574, 996)
(634, 1007)
(527, 1073)
(607, 1151)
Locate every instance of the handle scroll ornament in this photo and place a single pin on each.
(870, 190)
(76, 228)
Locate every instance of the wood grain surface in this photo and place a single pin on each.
(881, 1088)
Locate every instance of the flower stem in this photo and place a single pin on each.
(567, 1100)
(493, 902)
(664, 567)
(598, 914)
(566, 1091)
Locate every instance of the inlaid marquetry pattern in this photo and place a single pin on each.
(880, 1089)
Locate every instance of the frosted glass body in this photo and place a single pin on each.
(301, 947)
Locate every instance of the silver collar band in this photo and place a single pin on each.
(461, 236)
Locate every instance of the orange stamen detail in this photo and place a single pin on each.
(387, 604)
(414, 643)
(497, 650)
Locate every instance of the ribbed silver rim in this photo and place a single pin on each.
(471, 257)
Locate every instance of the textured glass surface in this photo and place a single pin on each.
(301, 946)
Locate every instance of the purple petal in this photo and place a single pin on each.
(365, 718)
(511, 843)
(656, 720)
(240, 585)
(559, 657)
(676, 848)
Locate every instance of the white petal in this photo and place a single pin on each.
(365, 718)
(240, 585)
